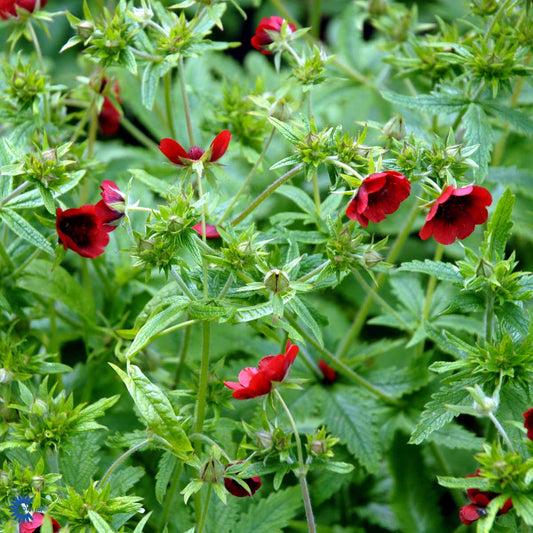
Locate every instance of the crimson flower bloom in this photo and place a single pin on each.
(210, 230)
(330, 375)
(175, 153)
(82, 230)
(254, 483)
(379, 195)
(110, 209)
(35, 525)
(261, 39)
(254, 382)
(480, 500)
(455, 213)
(7, 7)
(109, 116)
(528, 423)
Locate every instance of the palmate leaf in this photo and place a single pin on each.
(272, 514)
(349, 415)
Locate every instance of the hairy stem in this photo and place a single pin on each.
(15, 192)
(138, 134)
(501, 431)
(170, 495)
(183, 354)
(181, 284)
(204, 374)
(206, 505)
(168, 103)
(181, 75)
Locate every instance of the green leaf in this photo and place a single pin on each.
(518, 121)
(99, 523)
(523, 506)
(349, 416)
(165, 469)
(155, 409)
(25, 230)
(57, 284)
(514, 319)
(157, 185)
(412, 486)
(285, 130)
(299, 308)
(128, 60)
(150, 82)
(478, 132)
(437, 269)
(454, 437)
(499, 226)
(94, 410)
(399, 381)
(79, 468)
(142, 523)
(434, 103)
(299, 197)
(272, 514)
(477, 482)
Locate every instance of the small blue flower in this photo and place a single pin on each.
(21, 508)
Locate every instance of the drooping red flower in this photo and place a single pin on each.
(7, 7)
(111, 208)
(379, 195)
(330, 375)
(254, 483)
(35, 525)
(109, 116)
(254, 382)
(82, 230)
(528, 423)
(456, 213)
(210, 230)
(261, 39)
(480, 500)
(176, 154)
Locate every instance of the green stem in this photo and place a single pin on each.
(181, 284)
(204, 374)
(501, 431)
(15, 192)
(495, 18)
(340, 365)
(206, 505)
(226, 288)
(267, 192)
(360, 318)
(138, 134)
(168, 103)
(456, 493)
(204, 237)
(316, 195)
(301, 472)
(248, 178)
(200, 436)
(5, 256)
(315, 271)
(170, 495)
(185, 99)
(315, 16)
(117, 462)
(489, 315)
(183, 354)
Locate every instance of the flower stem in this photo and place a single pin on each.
(340, 365)
(360, 318)
(315, 271)
(186, 108)
(489, 315)
(315, 16)
(181, 284)
(267, 192)
(501, 431)
(204, 216)
(316, 195)
(204, 374)
(117, 462)
(138, 134)
(5, 256)
(301, 472)
(15, 192)
(200, 436)
(183, 354)
(206, 505)
(248, 178)
(170, 495)
(168, 103)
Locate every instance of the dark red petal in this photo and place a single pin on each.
(468, 514)
(220, 145)
(210, 230)
(111, 193)
(329, 374)
(507, 506)
(353, 212)
(254, 483)
(426, 230)
(445, 231)
(172, 150)
(481, 195)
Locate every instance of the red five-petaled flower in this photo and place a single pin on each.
(35, 525)
(480, 500)
(254, 382)
(82, 230)
(455, 213)
(328, 373)
(254, 483)
(528, 423)
(7, 7)
(261, 39)
(111, 208)
(177, 154)
(379, 195)
(109, 116)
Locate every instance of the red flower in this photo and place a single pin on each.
(82, 230)
(254, 382)
(109, 116)
(7, 7)
(35, 525)
(455, 213)
(177, 154)
(480, 499)
(110, 209)
(210, 230)
(379, 195)
(262, 38)
(330, 376)
(254, 483)
(528, 423)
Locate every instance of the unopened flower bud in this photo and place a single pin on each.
(50, 155)
(276, 280)
(377, 7)
(175, 224)
(484, 269)
(29, 434)
(6, 376)
(212, 471)
(37, 482)
(264, 439)
(38, 407)
(372, 258)
(85, 29)
(395, 128)
(318, 447)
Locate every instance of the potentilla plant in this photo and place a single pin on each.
(267, 275)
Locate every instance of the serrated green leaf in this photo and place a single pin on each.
(157, 185)
(99, 523)
(300, 310)
(478, 132)
(284, 129)
(150, 83)
(299, 197)
(523, 506)
(79, 468)
(48, 199)
(514, 319)
(203, 311)
(25, 230)
(518, 121)
(165, 469)
(434, 103)
(155, 409)
(437, 269)
(454, 437)
(399, 381)
(499, 226)
(128, 60)
(142, 523)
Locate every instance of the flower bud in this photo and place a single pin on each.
(37, 482)
(85, 29)
(212, 471)
(484, 269)
(395, 128)
(377, 7)
(38, 407)
(318, 447)
(276, 280)
(50, 155)
(29, 434)
(372, 258)
(6, 376)
(264, 439)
